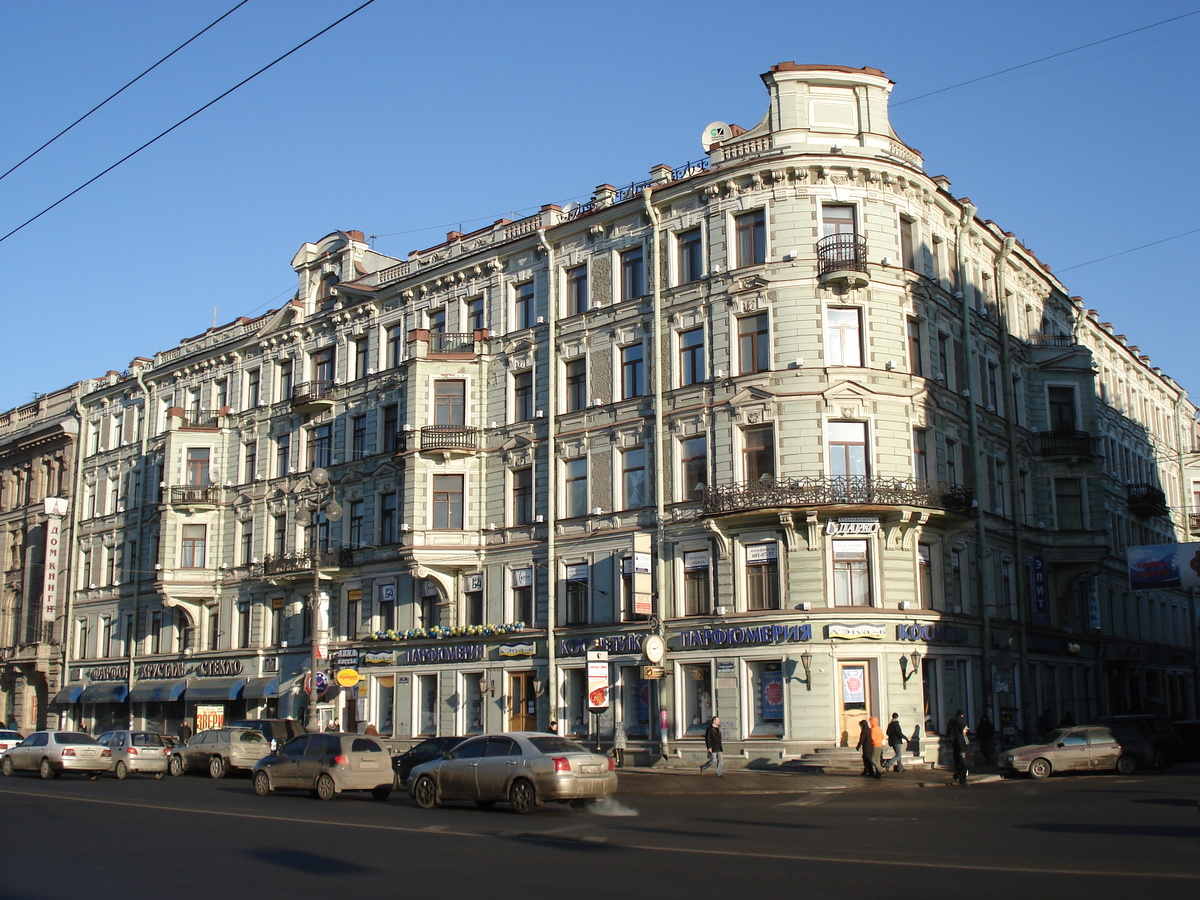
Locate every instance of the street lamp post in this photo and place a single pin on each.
(319, 500)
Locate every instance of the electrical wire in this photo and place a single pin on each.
(120, 90)
(1043, 59)
(1173, 237)
(185, 119)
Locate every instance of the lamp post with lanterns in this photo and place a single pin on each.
(319, 500)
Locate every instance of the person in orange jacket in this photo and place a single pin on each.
(877, 742)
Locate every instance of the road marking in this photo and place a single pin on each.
(810, 800)
(841, 860)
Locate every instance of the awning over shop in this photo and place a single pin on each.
(261, 688)
(215, 688)
(158, 690)
(107, 692)
(69, 694)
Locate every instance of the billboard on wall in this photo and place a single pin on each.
(1164, 566)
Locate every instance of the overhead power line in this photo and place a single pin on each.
(121, 89)
(1173, 237)
(185, 119)
(1043, 59)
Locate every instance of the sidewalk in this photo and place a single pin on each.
(675, 779)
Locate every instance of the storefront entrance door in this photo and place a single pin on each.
(855, 688)
(522, 702)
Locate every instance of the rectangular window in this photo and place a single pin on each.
(851, 574)
(253, 389)
(395, 346)
(633, 274)
(279, 539)
(575, 487)
(388, 522)
(473, 607)
(633, 371)
(324, 365)
(837, 218)
(320, 446)
(243, 624)
(1068, 503)
(751, 229)
(358, 437)
(916, 363)
(247, 540)
(577, 595)
(522, 496)
(192, 546)
(386, 606)
(353, 613)
(576, 384)
(925, 576)
(285, 379)
(220, 395)
(689, 256)
(362, 358)
(908, 243)
(214, 628)
(523, 309)
(283, 450)
(522, 597)
(920, 439)
(633, 477)
(427, 703)
(390, 425)
(436, 320)
(754, 343)
(474, 314)
(766, 685)
(843, 336)
(357, 521)
(691, 357)
(1060, 405)
(693, 467)
(154, 632)
(250, 470)
(577, 290)
(448, 501)
(522, 396)
(758, 454)
(198, 468)
(762, 576)
(449, 402)
(697, 697)
(697, 584)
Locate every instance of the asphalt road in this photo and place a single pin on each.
(1095, 836)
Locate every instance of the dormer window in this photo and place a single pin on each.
(325, 298)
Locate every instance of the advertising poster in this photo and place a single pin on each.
(854, 686)
(1164, 566)
(772, 696)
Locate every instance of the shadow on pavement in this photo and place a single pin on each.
(1174, 831)
(308, 863)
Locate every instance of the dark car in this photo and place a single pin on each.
(1168, 745)
(1189, 731)
(403, 763)
(277, 731)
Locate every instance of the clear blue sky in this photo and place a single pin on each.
(411, 119)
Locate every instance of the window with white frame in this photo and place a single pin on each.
(925, 575)
(758, 454)
(633, 273)
(192, 546)
(762, 576)
(633, 478)
(697, 697)
(576, 607)
(766, 698)
(693, 467)
(689, 256)
(851, 573)
(750, 229)
(577, 290)
(521, 601)
(575, 487)
(524, 313)
(692, 367)
(697, 583)
(754, 343)
(843, 336)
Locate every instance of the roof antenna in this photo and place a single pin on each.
(214, 317)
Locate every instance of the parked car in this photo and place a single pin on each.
(50, 753)
(10, 739)
(137, 751)
(525, 768)
(1094, 748)
(431, 748)
(218, 750)
(326, 764)
(277, 731)
(1156, 729)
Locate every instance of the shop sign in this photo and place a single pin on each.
(725, 667)
(759, 634)
(621, 643)
(863, 631)
(209, 716)
(161, 670)
(522, 578)
(851, 527)
(345, 659)
(461, 653)
(651, 673)
(218, 668)
(348, 678)
(1093, 603)
(387, 593)
(1037, 590)
(109, 673)
(525, 648)
(943, 634)
(322, 684)
(597, 680)
(379, 658)
(56, 508)
(760, 554)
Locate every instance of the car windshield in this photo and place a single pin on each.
(146, 739)
(1053, 737)
(549, 744)
(73, 737)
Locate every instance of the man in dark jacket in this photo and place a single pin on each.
(961, 744)
(712, 743)
(896, 740)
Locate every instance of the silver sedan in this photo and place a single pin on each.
(50, 753)
(524, 768)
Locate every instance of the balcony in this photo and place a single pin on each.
(830, 490)
(1146, 500)
(463, 438)
(304, 563)
(451, 342)
(197, 418)
(843, 258)
(313, 396)
(1194, 524)
(195, 495)
(1066, 443)
(1053, 341)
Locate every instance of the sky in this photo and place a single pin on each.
(412, 119)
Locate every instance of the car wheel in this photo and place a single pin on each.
(175, 766)
(1040, 768)
(522, 796)
(262, 784)
(485, 804)
(122, 769)
(425, 792)
(326, 789)
(1126, 765)
(1160, 759)
(46, 770)
(216, 767)
(8, 766)
(381, 793)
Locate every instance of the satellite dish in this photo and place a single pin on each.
(715, 133)
(570, 209)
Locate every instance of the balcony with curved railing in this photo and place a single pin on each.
(195, 495)
(834, 490)
(311, 396)
(449, 437)
(1146, 500)
(843, 257)
(295, 563)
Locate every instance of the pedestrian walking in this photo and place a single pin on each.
(961, 744)
(896, 740)
(619, 741)
(985, 733)
(184, 731)
(553, 727)
(864, 744)
(877, 742)
(714, 746)
(332, 726)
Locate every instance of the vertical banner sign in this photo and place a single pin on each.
(1037, 590)
(597, 680)
(772, 696)
(56, 508)
(1093, 595)
(643, 587)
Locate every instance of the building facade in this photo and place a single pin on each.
(794, 408)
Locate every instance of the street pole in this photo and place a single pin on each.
(322, 502)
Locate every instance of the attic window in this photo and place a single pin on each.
(325, 296)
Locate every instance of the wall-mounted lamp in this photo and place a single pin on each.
(915, 658)
(806, 664)
(539, 686)
(487, 686)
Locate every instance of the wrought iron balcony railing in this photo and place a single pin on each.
(304, 562)
(451, 342)
(449, 437)
(320, 389)
(200, 418)
(195, 493)
(1066, 443)
(841, 253)
(1060, 341)
(1194, 523)
(824, 490)
(1146, 499)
